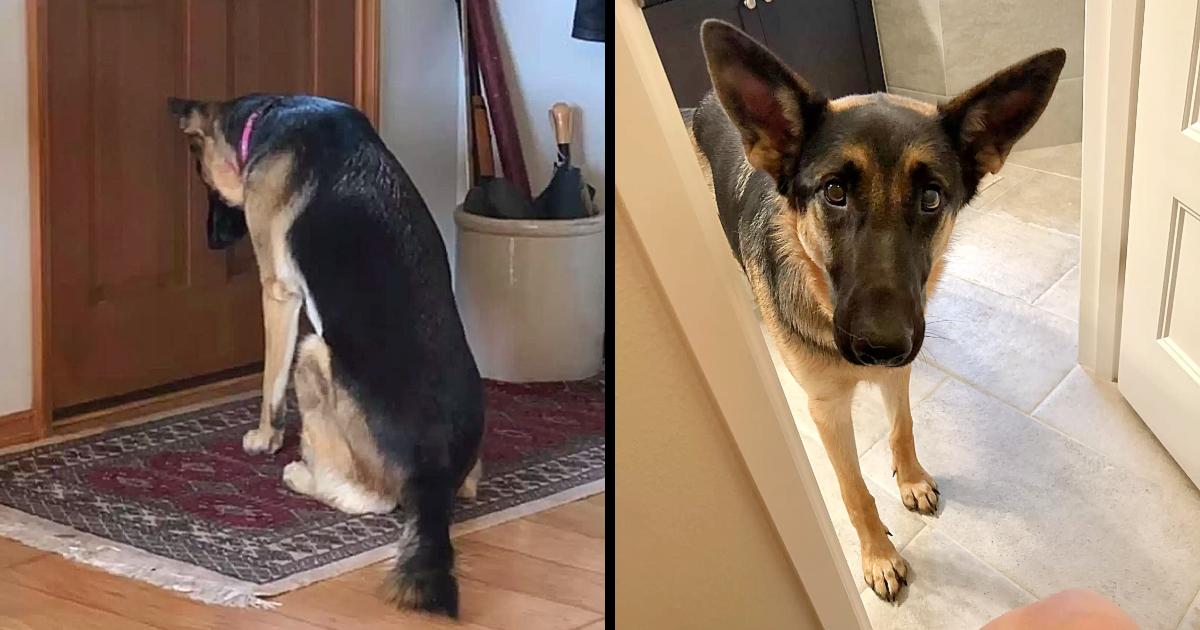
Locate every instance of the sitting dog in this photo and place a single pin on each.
(839, 212)
(390, 398)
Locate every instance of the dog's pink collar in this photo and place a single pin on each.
(247, 129)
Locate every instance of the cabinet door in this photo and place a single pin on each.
(675, 26)
(831, 43)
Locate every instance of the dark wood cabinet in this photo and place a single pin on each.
(831, 43)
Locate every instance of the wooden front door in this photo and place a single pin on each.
(136, 299)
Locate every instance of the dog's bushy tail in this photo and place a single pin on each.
(423, 577)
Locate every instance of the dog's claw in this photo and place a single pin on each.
(885, 573)
(920, 495)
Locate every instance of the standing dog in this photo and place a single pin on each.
(389, 394)
(839, 213)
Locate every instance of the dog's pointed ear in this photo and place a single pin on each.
(987, 120)
(771, 106)
(180, 106)
(188, 114)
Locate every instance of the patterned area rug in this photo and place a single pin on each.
(174, 501)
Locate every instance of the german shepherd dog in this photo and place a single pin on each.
(839, 212)
(390, 397)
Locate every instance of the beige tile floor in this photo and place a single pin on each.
(1049, 480)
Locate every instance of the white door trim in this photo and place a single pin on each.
(675, 218)
(1111, 57)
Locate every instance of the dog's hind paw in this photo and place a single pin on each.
(885, 572)
(921, 495)
(257, 441)
(298, 478)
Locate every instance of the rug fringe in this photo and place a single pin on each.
(209, 587)
(192, 582)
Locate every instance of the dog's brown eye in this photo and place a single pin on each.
(931, 199)
(835, 193)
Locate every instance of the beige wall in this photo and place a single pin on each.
(695, 547)
(935, 48)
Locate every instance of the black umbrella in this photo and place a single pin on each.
(566, 196)
(493, 196)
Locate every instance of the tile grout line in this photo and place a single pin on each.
(931, 525)
(1011, 297)
(1056, 430)
(985, 563)
(987, 210)
(1050, 393)
(1054, 284)
(982, 389)
(979, 388)
(1042, 170)
(911, 403)
(1016, 182)
(931, 393)
(1050, 312)
(1042, 403)
(1154, 483)
(900, 550)
(1194, 602)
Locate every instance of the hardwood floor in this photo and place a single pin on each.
(544, 571)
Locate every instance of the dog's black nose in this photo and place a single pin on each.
(886, 352)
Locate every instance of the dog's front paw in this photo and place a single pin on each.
(885, 572)
(258, 442)
(920, 495)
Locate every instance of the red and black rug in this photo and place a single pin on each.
(175, 501)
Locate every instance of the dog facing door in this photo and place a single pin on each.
(840, 212)
(389, 394)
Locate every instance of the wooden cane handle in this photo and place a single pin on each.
(483, 138)
(560, 117)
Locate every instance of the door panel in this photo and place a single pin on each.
(1160, 334)
(135, 53)
(271, 45)
(334, 29)
(136, 298)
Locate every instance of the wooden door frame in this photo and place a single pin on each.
(1112, 54)
(38, 422)
(662, 190)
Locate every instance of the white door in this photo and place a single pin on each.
(1160, 329)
